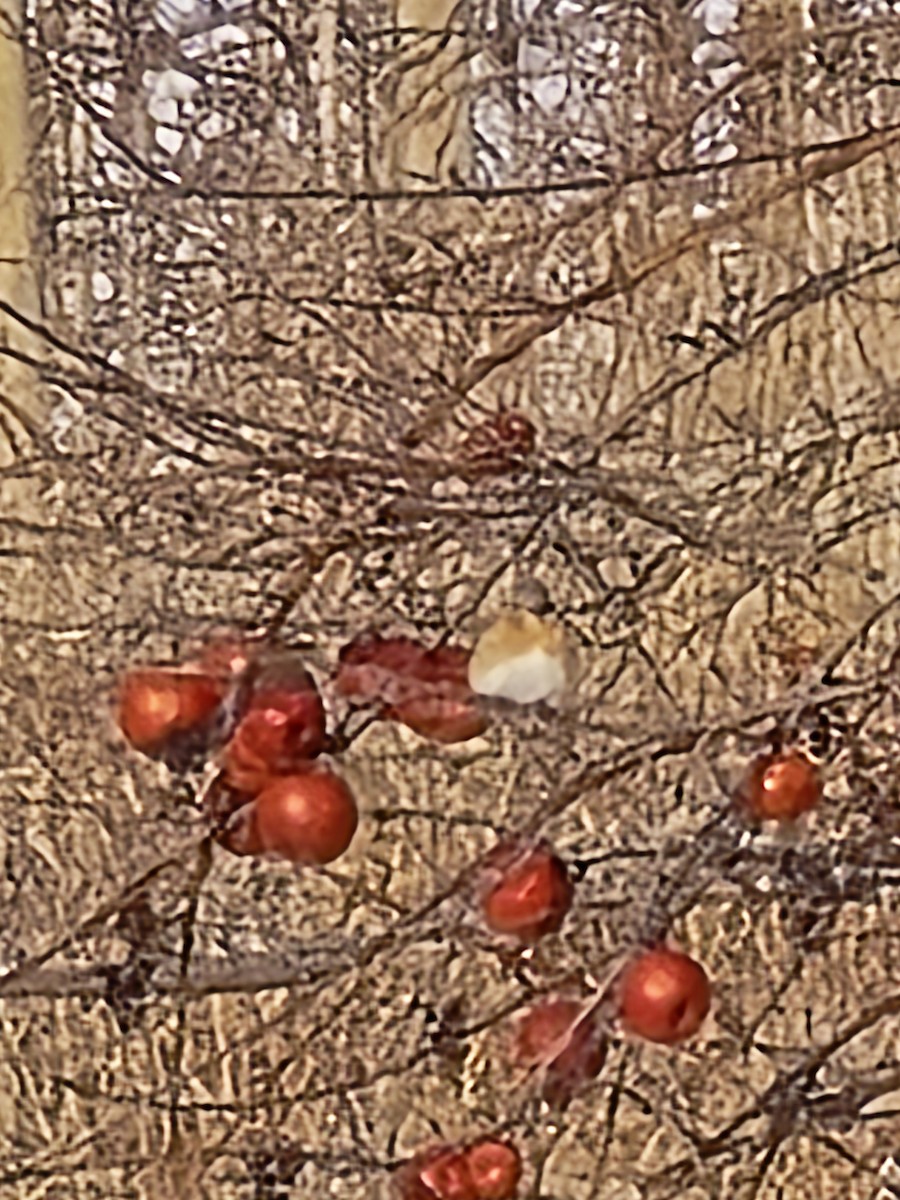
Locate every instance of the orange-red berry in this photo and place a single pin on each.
(664, 995)
(781, 787)
(157, 705)
(558, 1036)
(529, 896)
(495, 1168)
(306, 818)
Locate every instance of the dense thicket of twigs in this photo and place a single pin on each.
(280, 286)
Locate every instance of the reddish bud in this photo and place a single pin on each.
(158, 705)
(781, 787)
(308, 818)
(565, 1042)
(498, 443)
(664, 996)
(532, 895)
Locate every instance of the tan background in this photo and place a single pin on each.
(275, 291)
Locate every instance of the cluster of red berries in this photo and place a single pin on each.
(269, 716)
(662, 995)
(486, 1169)
(260, 711)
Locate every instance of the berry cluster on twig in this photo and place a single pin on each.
(255, 710)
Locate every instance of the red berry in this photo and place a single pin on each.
(157, 705)
(308, 818)
(664, 996)
(281, 729)
(440, 720)
(495, 1168)
(531, 896)
(558, 1036)
(441, 1173)
(781, 787)
(425, 689)
(384, 670)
